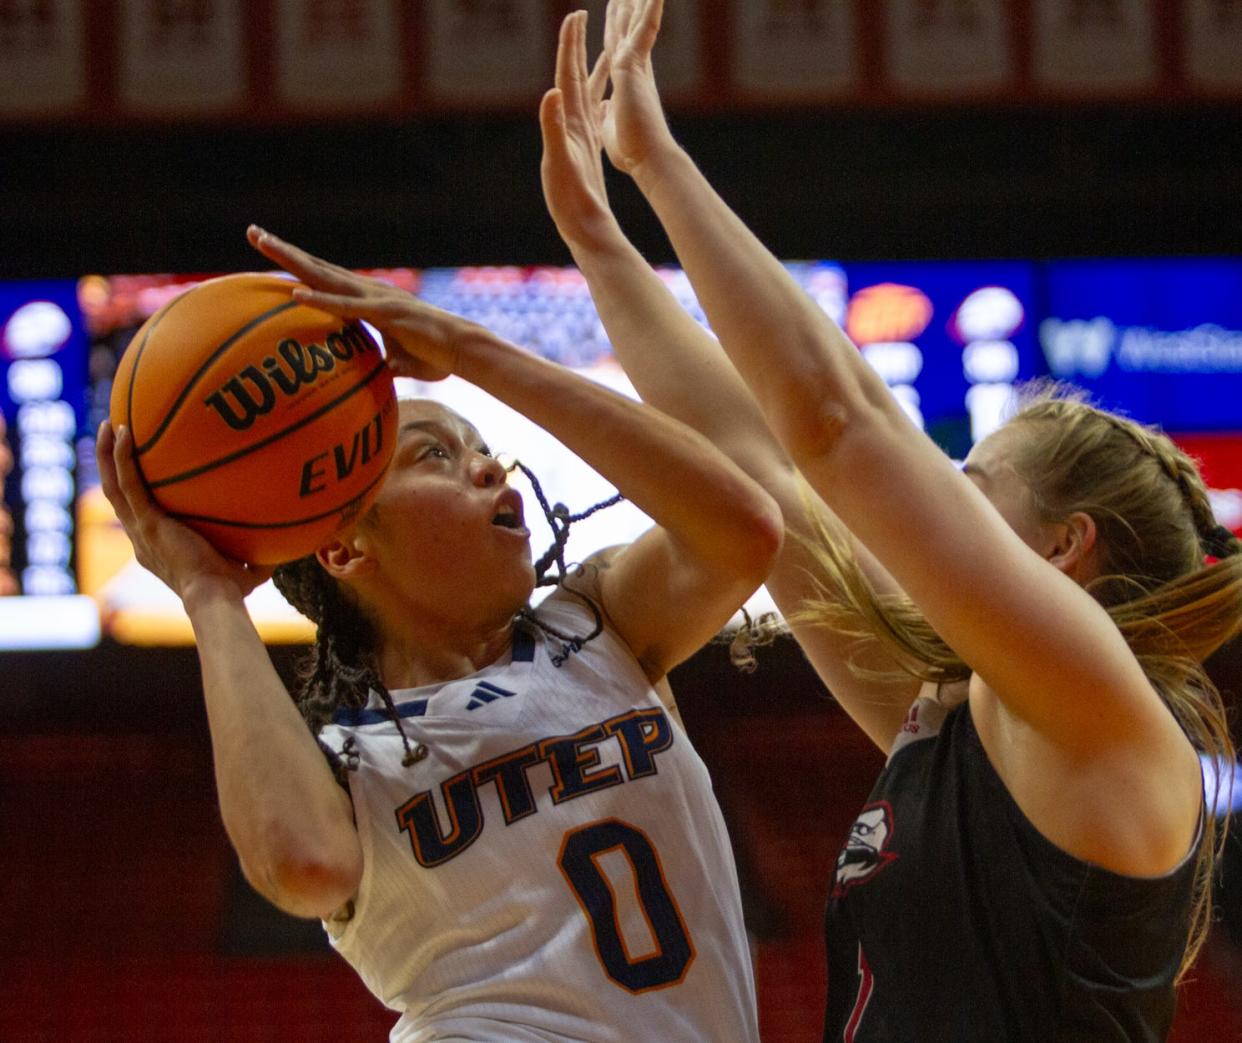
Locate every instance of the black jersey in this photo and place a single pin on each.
(951, 918)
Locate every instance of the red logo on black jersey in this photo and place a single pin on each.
(866, 851)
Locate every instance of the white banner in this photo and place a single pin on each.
(181, 56)
(958, 46)
(678, 53)
(487, 50)
(1085, 45)
(338, 54)
(1213, 53)
(794, 47)
(42, 57)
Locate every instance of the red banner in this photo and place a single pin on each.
(287, 59)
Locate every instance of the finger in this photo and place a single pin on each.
(129, 481)
(582, 84)
(345, 306)
(552, 127)
(597, 82)
(568, 75)
(105, 444)
(299, 262)
(612, 26)
(647, 27)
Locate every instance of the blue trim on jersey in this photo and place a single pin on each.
(355, 716)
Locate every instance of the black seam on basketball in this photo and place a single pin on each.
(155, 320)
(258, 320)
(206, 520)
(238, 454)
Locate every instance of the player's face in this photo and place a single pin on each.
(446, 528)
(988, 466)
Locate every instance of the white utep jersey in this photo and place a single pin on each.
(556, 868)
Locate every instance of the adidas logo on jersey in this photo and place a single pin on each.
(485, 693)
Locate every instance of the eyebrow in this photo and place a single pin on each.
(435, 427)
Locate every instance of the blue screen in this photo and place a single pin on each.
(1160, 340)
(43, 375)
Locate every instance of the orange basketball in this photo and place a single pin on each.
(264, 424)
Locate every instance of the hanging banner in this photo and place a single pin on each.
(42, 57)
(1213, 51)
(948, 46)
(180, 57)
(1094, 46)
(487, 51)
(678, 55)
(783, 48)
(338, 54)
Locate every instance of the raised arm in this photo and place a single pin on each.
(716, 531)
(1041, 643)
(679, 368)
(290, 823)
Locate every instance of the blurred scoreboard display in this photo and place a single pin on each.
(1158, 340)
(1162, 342)
(43, 386)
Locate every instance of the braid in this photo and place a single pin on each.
(559, 520)
(1215, 539)
(341, 668)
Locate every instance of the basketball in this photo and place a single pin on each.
(264, 424)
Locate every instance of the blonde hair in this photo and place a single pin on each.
(1155, 524)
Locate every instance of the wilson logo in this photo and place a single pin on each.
(253, 392)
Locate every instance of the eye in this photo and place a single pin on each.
(435, 450)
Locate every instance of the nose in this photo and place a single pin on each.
(487, 471)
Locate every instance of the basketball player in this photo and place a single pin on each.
(1035, 860)
(526, 846)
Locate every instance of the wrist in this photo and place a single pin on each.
(658, 164)
(597, 240)
(204, 593)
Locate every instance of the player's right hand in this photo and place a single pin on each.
(175, 553)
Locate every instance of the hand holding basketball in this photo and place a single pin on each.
(420, 340)
(175, 553)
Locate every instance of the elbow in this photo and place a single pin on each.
(810, 430)
(764, 535)
(308, 881)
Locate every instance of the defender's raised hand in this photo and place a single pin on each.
(572, 169)
(633, 126)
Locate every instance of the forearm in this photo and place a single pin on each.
(808, 378)
(284, 812)
(675, 364)
(668, 471)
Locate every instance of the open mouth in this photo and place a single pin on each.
(509, 512)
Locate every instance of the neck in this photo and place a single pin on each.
(419, 653)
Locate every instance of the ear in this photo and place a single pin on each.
(1072, 546)
(345, 559)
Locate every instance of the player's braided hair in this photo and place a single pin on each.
(1155, 528)
(341, 668)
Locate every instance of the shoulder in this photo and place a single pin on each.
(584, 583)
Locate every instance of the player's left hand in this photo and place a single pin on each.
(420, 340)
